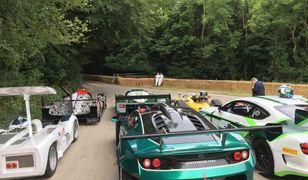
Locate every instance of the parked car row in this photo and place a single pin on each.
(192, 138)
(189, 138)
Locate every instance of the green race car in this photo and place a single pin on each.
(164, 142)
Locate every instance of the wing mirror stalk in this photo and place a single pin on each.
(115, 119)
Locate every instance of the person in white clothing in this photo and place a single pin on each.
(156, 79)
(160, 80)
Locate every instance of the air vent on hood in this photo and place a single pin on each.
(197, 123)
(160, 124)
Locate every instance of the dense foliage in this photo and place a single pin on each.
(36, 47)
(229, 39)
(51, 42)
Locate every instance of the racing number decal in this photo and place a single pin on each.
(290, 151)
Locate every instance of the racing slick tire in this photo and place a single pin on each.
(125, 176)
(52, 161)
(264, 157)
(75, 131)
(117, 127)
(216, 102)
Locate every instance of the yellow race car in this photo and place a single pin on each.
(195, 102)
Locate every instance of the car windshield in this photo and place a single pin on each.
(13, 108)
(18, 122)
(289, 110)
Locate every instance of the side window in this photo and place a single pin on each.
(147, 124)
(259, 113)
(242, 108)
(247, 109)
(227, 107)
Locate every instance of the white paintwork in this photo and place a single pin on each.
(35, 143)
(31, 90)
(139, 93)
(295, 163)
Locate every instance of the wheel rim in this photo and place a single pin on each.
(75, 129)
(52, 158)
(262, 156)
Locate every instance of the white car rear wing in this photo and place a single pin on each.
(30, 90)
(26, 92)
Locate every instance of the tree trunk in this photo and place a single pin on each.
(293, 30)
(203, 25)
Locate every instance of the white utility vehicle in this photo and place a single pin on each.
(34, 150)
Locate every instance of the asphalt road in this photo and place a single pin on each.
(93, 156)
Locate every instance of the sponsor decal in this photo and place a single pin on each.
(290, 151)
(200, 162)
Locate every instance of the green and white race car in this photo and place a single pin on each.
(283, 155)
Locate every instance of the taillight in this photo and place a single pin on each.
(8, 165)
(245, 155)
(304, 147)
(156, 163)
(237, 156)
(146, 163)
(11, 165)
(121, 105)
(14, 165)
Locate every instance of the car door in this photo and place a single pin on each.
(239, 113)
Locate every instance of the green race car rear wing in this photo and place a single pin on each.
(271, 131)
(127, 104)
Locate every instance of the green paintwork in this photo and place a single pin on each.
(303, 122)
(221, 118)
(247, 135)
(282, 120)
(291, 133)
(148, 149)
(130, 151)
(250, 121)
(267, 98)
(283, 173)
(243, 168)
(131, 101)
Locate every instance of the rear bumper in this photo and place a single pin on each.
(290, 165)
(37, 170)
(244, 168)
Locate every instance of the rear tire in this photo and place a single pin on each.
(264, 157)
(125, 176)
(117, 127)
(52, 161)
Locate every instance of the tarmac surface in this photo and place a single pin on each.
(93, 156)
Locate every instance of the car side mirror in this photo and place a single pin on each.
(115, 119)
(220, 108)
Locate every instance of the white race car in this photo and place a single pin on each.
(286, 154)
(34, 150)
